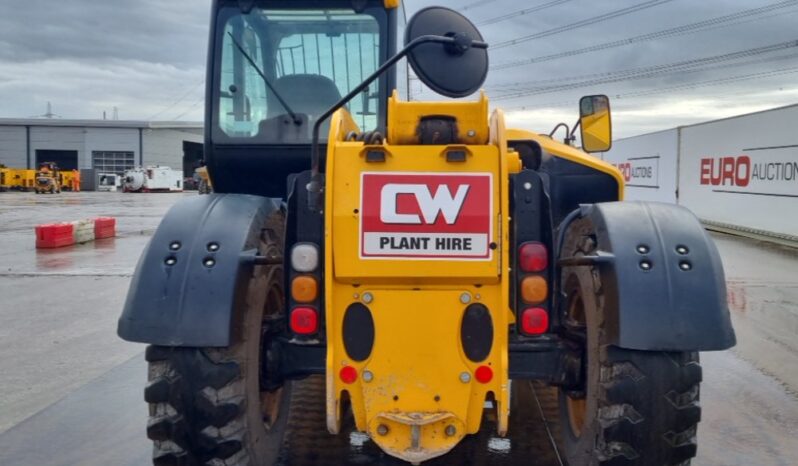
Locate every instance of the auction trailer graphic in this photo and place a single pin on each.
(426, 215)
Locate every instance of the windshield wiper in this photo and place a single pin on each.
(294, 116)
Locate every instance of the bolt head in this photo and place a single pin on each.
(213, 247)
(685, 265)
(170, 261)
(174, 246)
(465, 298)
(451, 430)
(682, 250)
(209, 262)
(527, 186)
(471, 133)
(465, 377)
(368, 297)
(367, 376)
(645, 265)
(382, 429)
(643, 249)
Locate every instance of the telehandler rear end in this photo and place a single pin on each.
(418, 255)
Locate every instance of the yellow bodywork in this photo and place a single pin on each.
(421, 397)
(557, 149)
(418, 388)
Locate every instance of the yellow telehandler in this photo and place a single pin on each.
(419, 256)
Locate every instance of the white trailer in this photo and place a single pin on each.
(648, 164)
(153, 179)
(741, 173)
(110, 182)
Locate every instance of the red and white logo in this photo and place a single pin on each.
(426, 215)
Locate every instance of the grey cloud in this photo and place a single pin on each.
(141, 56)
(148, 30)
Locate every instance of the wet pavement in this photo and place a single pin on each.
(72, 391)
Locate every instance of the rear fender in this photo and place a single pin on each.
(661, 276)
(191, 301)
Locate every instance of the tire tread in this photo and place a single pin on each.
(648, 406)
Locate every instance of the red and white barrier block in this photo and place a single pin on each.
(56, 235)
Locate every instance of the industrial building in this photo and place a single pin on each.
(100, 146)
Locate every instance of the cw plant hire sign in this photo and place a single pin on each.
(426, 215)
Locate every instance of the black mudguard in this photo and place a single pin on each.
(192, 302)
(679, 302)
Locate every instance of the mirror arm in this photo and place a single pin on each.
(567, 131)
(315, 185)
(570, 138)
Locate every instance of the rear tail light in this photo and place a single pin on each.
(534, 321)
(304, 289)
(304, 321)
(305, 257)
(534, 289)
(533, 257)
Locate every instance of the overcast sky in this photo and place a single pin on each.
(707, 59)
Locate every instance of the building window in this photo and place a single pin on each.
(112, 162)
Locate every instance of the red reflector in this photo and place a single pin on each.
(348, 374)
(484, 374)
(534, 321)
(304, 321)
(533, 257)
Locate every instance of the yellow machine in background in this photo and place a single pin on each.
(47, 179)
(21, 179)
(69, 180)
(205, 186)
(5, 178)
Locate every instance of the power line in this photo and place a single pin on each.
(712, 82)
(525, 11)
(720, 21)
(179, 99)
(681, 72)
(584, 22)
(681, 87)
(539, 87)
(190, 108)
(542, 83)
(475, 5)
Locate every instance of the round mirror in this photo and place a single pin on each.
(456, 70)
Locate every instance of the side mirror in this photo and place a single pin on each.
(457, 69)
(595, 123)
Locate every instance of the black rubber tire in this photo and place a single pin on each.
(206, 404)
(640, 407)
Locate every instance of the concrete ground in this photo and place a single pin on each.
(71, 391)
(58, 308)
